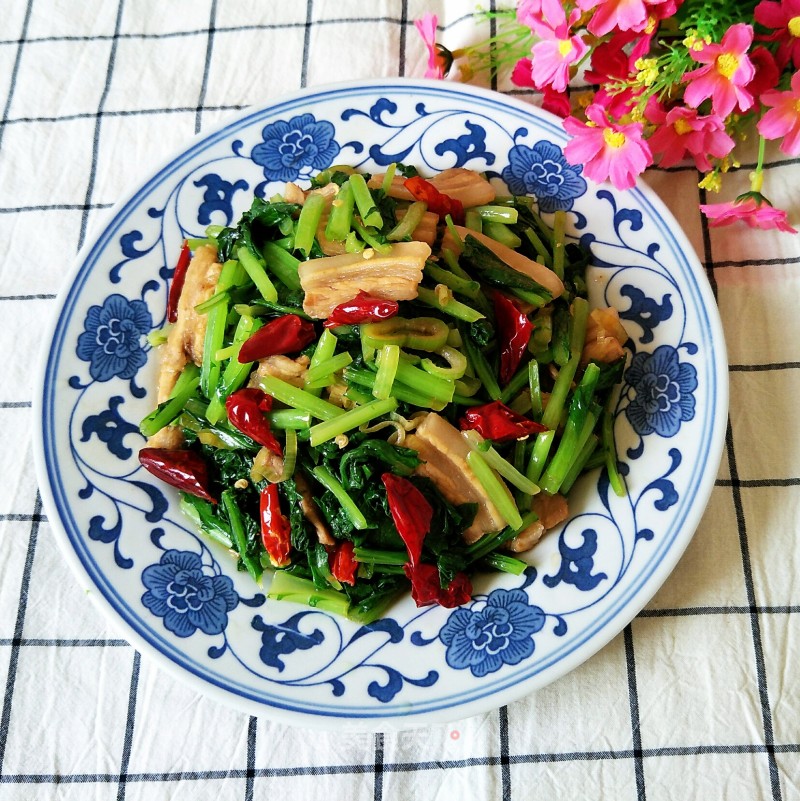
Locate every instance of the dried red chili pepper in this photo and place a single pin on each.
(246, 409)
(411, 513)
(514, 332)
(426, 587)
(342, 563)
(287, 334)
(363, 308)
(276, 530)
(178, 278)
(497, 422)
(437, 201)
(183, 469)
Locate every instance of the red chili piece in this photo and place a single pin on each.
(363, 308)
(276, 530)
(246, 409)
(178, 277)
(287, 334)
(427, 589)
(514, 332)
(185, 470)
(411, 513)
(497, 422)
(343, 564)
(437, 201)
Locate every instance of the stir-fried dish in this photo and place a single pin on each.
(382, 383)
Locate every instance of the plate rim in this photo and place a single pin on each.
(593, 641)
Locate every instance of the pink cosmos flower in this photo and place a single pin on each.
(607, 150)
(727, 72)
(438, 64)
(555, 53)
(783, 118)
(682, 131)
(535, 13)
(626, 15)
(752, 208)
(784, 18)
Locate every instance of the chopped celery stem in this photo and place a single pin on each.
(289, 418)
(364, 202)
(286, 587)
(167, 411)
(498, 214)
(438, 388)
(451, 306)
(495, 489)
(282, 264)
(506, 564)
(610, 452)
(328, 367)
(481, 366)
(472, 220)
(327, 479)
(299, 399)
(541, 449)
(388, 358)
(307, 223)
(535, 388)
(379, 247)
(379, 557)
(386, 184)
(326, 347)
(257, 274)
(501, 465)
(539, 247)
(502, 233)
(239, 535)
(579, 464)
(341, 215)
(515, 385)
(409, 222)
(559, 222)
(491, 541)
(347, 421)
(463, 286)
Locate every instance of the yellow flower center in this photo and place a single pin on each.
(682, 127)
(794, 26)
(613, 138)
(564, 47)
(727, 64)
(797, 106)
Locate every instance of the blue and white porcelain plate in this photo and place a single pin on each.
(180, 599)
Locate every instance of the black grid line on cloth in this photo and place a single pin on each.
(36, 517)
(401, 67)
(84, 207)
(755, 623)
(378, 767)
(54, 642)
(129, 724)
(505, 756)
(741, 525)
(633, 700)
(256, 26)
(15, 69)
(357, 769)
(250, 772)
(306, 43)
(112, 55)
(15, 404)
(38, 296)
(212, 18)
(755, 483)
(5, 716)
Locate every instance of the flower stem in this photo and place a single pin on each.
(757, 176)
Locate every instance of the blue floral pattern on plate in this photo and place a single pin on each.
(180, 596)
(295, 147)
(112, 339)
(544, 172)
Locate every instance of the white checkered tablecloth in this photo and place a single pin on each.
(699, 698)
